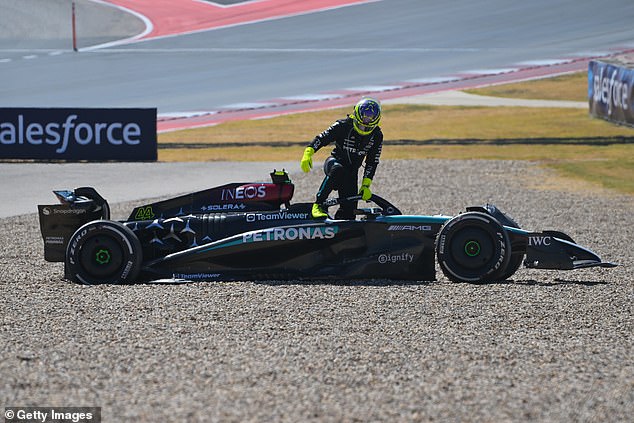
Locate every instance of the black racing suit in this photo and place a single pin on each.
(342, 167)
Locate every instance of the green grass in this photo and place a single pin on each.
(567, 140)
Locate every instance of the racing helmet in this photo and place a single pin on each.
(366, 115)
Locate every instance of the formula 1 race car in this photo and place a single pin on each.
(251, 231)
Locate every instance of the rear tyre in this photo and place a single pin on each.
(103, 251)
(473, 247)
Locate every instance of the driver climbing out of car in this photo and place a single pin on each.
(357, 138)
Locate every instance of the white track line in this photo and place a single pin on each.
(248, 105)
(148, 28)
(312, 97)
(489, 71)
(227, 6)
(545, 62)
(374, 88)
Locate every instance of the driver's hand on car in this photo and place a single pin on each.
(365, 191)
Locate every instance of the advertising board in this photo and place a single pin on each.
(611, 92)
(72, 134)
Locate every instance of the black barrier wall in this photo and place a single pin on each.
(611, 92)
(78, 134)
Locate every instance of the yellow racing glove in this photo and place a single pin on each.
(307, 159)
(365, 189)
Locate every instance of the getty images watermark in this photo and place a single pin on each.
(52, 414)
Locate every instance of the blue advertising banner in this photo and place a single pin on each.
(611, 92)
(78, 134)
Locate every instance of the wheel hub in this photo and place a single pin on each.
(472, 248)
(103, 256)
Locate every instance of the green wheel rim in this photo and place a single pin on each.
(472, 248)
(103, 256)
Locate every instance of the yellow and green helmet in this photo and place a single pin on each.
(366, 115)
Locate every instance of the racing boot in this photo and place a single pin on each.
(318, 212)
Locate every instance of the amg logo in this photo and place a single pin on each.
(409, 228)
(290, 234)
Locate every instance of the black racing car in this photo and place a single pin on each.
(251, 231)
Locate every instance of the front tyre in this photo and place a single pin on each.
(473, 247)
(103, 251)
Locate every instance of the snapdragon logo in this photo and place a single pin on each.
(78, 134)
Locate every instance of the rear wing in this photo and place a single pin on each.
(58, 222)
(234, 197)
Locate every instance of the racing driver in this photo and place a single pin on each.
(357, 138)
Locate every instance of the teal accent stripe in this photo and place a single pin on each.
(404, 218)
(516, 230)
(229, 243)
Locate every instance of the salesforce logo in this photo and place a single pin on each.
(70, 131)
(102, 134)
(611, 86)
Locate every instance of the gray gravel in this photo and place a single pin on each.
(544, 346)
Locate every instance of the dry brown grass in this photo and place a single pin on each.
(568, 140)
(571, 87)
(415, 122)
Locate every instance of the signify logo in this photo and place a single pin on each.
(62, 134)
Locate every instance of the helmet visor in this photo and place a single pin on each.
(368, 117)
(365, 128)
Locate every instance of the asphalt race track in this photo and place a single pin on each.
(374, 44)
(543, 346)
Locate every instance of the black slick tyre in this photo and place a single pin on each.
(513, 266)
(473, 247)
(103, 251)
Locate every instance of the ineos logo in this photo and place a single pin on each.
(245, 192)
